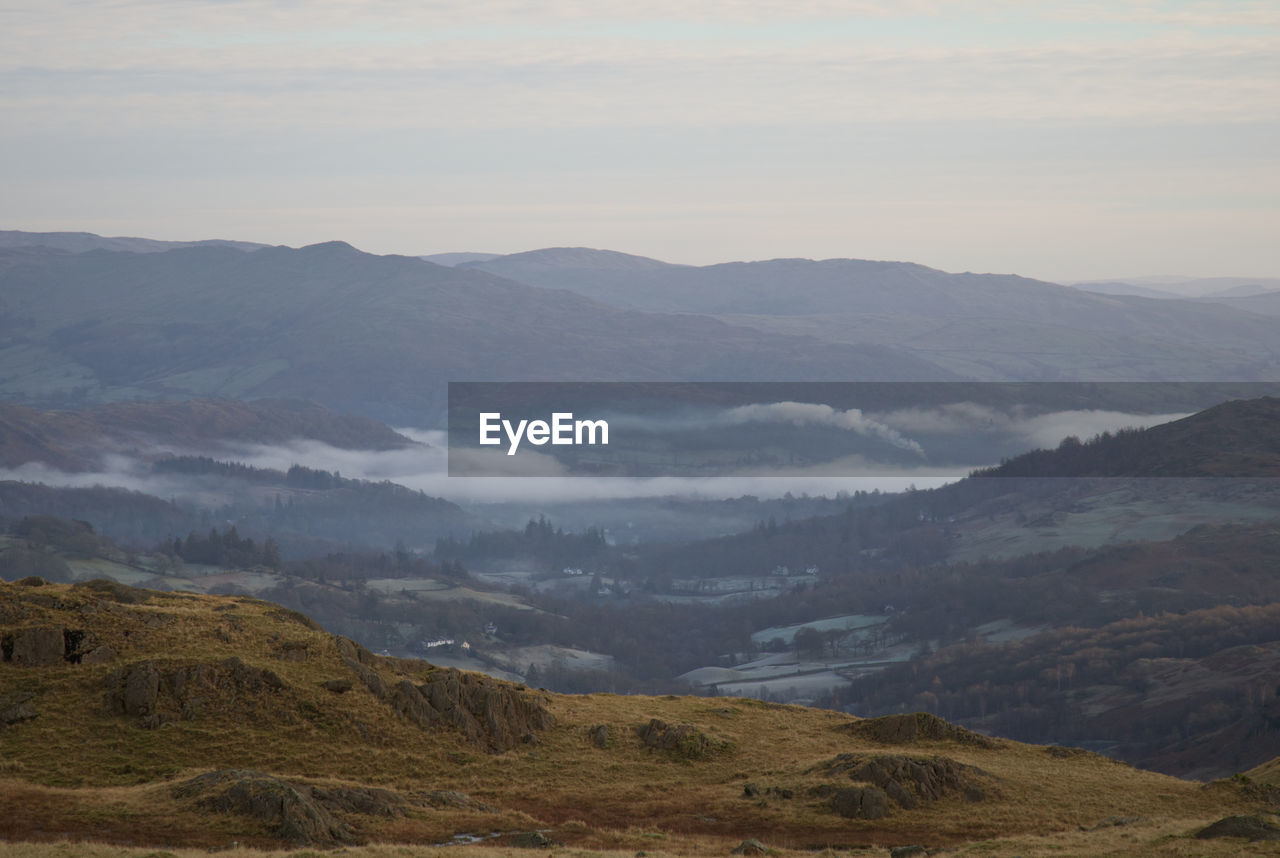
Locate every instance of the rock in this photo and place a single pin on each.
(911, 781)
(600, 736)
(1252, 828)
(154, 721)
(367, 801)
(38, 647)
(860, 803)
(294, 814)
(18, 713)
(100, 655)
(337, 686)
(750, 846)
(494, 714)
(229, 686)
(141, 688)
(683, 740)
(530, 840)
(907, 729)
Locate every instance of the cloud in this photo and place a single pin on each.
(817, 414)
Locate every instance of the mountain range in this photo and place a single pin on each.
(379, 335)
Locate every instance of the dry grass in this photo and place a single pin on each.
(78, 771)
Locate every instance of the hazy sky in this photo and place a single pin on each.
(1057, 140)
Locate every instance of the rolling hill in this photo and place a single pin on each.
(178, 720)
(985, 326)
(373, 335)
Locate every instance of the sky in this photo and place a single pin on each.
(1064, 141)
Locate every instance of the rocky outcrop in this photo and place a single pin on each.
(15, 707)
(34, 647)
(156, 695)
(293, 814)
(860, 803)
(682, 740)
(909, 728)
(300, 813)
(492, 714)
(1252, 828)
(909, 781)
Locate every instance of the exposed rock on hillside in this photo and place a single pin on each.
(683, 740)
(907, 729)
(492, 714)
(187, 691)
(299, 813)
(1250, 827)
(909, 781)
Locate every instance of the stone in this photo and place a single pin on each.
(337, 686)
(141, 689)
(1252, 828)
(38, 647)
(860, 803)
(531, 840)
(18, 713)
(750, 846)
(99, 655)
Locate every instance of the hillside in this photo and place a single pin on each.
(1234, 439)
(79, 242)
(372, 335)
(985, 326)
(178, 720)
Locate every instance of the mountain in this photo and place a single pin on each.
(183, 720)
(984, 326)
(1234, 439)
(374, 335)
(453, 259)
(1265, 303)
(1118, 287)
(1184, 287)
(79, 242)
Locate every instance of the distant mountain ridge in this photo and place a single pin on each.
(983, 326)
(81, 242)
(1240, 438)
(374, 335)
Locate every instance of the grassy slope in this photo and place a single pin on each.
(78, 771)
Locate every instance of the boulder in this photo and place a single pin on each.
(1252, 828)
(909, 728)
(531, 840)
(38, 647)
(860, 803)
(293, 814)
(17, 713)
(683, 740)
(751, 846)
(911, 781)
(141, 689)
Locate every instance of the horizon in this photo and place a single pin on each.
(1152, 280)
(1061, 142)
